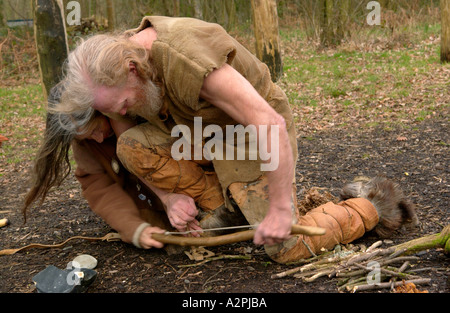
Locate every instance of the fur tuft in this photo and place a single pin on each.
(393, 208)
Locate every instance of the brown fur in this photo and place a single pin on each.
(393, 208)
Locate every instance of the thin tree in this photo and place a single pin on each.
(51, 40)
(111, 15)
(2, 18)
(326, 8)
(265, 27)
(445, 31)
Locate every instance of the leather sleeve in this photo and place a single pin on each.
(344, 222)
(106, 197)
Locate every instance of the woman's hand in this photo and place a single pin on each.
(146, 241)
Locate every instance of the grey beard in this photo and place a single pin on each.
(150, 105)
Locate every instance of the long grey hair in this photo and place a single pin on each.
(52, 164)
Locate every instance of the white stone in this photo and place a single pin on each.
(85, 261)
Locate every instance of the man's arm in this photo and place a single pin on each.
(231, 92)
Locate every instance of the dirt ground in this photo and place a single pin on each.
(414, 155)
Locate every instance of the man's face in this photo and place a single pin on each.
(116, 99)
(135, 97)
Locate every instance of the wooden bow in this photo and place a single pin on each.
(230, 238)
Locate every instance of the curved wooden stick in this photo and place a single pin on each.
(230, 238)
(107, 237)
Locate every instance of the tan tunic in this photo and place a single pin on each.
(185, 52)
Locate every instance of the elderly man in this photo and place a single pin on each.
(170, 70)
(174, 72)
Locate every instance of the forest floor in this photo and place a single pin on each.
(366, 118)
(327, 159)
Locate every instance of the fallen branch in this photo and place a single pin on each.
(439, 240)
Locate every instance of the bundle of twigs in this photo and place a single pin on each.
(371, 268)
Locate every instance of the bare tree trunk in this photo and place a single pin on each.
(342, 23)
(176, 7)
(445, 31)
(265, 24)
(93, 11)
(51, 40)
(230, 8)
(2, 18)
(111, 15)
(326, 24)
(198, 12)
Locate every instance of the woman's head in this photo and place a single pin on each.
(52, 163)
(97, 129)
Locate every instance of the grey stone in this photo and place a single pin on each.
(85, 261)
(55, 280)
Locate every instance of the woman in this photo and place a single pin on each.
(118, 197)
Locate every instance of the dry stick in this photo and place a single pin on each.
(404, 266)
(362, 257)
(389, 285)
(315, 276)
(399, 259)
(357, 281)
(428, 269)
(353, 282)
(317, 268)
(374, 245)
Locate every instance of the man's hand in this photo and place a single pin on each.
(181, 211)
(275, 227)
(146, 241)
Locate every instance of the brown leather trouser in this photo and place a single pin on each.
(145, 151)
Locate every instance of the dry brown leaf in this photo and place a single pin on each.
(408, 288)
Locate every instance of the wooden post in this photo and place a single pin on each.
(445, 31)
(265, 24)
(51, 40)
